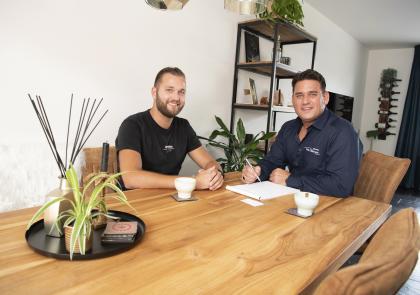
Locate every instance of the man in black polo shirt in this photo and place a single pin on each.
(152, 145)
(321, 150)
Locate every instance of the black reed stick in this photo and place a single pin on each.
(76, 138)
(53, 149)
(68, 129)
(91, 133)
(83, 126)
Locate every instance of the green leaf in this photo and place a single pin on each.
(240, 131)
(41, 210)
(221, 124)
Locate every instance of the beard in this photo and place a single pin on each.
(165, 110)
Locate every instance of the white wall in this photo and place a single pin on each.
(401, 60)
(109, 49)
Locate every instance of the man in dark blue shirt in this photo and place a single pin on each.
(321, 150)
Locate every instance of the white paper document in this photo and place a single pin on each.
(251, 202)
(262, 190)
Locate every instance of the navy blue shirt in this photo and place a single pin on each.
(325, 162)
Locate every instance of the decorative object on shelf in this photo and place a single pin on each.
(285, 60)
(264, 100)
(247, 7)
(388, 82)
(288, 10)
(253, 91)
(252, 47)
(278, 98)
(83, 132)
(238, 147)
(167, 4)
(83, 207)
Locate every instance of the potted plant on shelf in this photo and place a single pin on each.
(84, 206)
(288, 10)
(235, 147)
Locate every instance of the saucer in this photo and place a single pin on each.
(293, 211)
(175, 196)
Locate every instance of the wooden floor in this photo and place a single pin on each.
(403, 199)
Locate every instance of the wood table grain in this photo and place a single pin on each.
(216, 245)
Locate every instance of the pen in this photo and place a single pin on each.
(249, 164)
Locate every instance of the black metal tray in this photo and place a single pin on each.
(56, 247)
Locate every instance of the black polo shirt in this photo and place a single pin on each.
(325, 162)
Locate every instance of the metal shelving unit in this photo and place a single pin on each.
(290, 34)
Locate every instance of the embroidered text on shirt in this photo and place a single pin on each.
(168, 148)
(315, 151)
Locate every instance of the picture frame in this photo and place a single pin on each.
(252, 47)
(253, 91)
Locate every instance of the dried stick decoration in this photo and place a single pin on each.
(83, 132)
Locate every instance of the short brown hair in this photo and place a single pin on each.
(309, 74)
(168, 70)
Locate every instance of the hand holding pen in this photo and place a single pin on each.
(250, 174)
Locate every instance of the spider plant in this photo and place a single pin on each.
(84, 206)
(235, 148)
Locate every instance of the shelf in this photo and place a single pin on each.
(290, 34)
(283, 109)
(249, 106)
(264, 68)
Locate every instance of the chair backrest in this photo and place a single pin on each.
(379, 176)
(386, 263)
(93, 157)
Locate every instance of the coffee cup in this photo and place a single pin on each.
(184, 186)
(306, 203)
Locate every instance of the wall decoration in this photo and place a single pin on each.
(252, 47)
(253, 91)
(386, 107)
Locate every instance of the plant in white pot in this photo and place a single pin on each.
(85, 203)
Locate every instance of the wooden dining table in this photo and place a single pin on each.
(214, 245)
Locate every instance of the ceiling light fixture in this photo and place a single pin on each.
(167, 4)
(247, 7)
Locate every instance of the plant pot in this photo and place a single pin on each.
(67, 234)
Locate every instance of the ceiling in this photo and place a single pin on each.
(375, 23)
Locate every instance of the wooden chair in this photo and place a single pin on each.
(386, 263)
(93, 158)
(379, 176)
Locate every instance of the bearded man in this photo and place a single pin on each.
(152, 145)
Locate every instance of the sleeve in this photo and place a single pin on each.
(129, 136)
(192, 140)
(342, 167)
(275, 157)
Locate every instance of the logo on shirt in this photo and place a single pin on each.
(168, 148)
(312, 150)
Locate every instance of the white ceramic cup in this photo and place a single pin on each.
(184, 186)
(306, 203)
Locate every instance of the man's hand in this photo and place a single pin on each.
(279, 176)
(209, 178)
(249, 175)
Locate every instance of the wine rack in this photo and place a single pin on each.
(386, 107)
